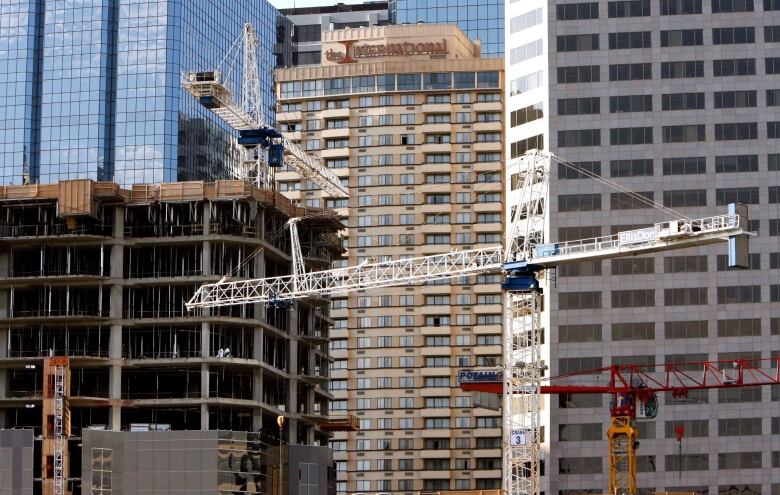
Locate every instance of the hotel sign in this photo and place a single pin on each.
(352, 51)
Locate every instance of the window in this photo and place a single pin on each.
(579, 333)
(437, 402)
(687, 462)
(682, 37)
(735, 99)
(577, 11)
(578, 74)
(773, 130)
(437, 98)
(721, 6)
(580, 465)
(735, 427)
(746, 195)
(631, 103)
(685, 165)
(525, 52)
(682, 69)
(102, 470)
(579, 202)
(525, 21)
(577, 42)
(734, 67)
(746, 327)
(631, 168)
(683, 133)
(739, 294)
(488, 217)
(682, 101)
(635, 39)
(524, 115)
(579, 300)
(736, 163)
(437, 423)
(739, 460)
(633, 331)
(771, 5)
(630, 72)
(685, 197)
(636, 298)
(685, 329)
(526, 83)
(733, 35)
(628, 8)
(633, 266)
(692, 296)
(680, 7)
(630, 201)
(578, 106)
(577, 138)
(520, 147)
(437, 118)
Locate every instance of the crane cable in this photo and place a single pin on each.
(610, 183)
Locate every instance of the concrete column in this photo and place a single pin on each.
(292, 398)
(205, 339)
(3, 372)
(115, 376)
(5, 296)
(257, 396)
(206, 258)
(259, 272)
(204, 394)
(5, 272)
(204, 417)
(206, 217)
(257, 377)
(117, 257)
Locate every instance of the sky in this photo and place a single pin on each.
(288, 4)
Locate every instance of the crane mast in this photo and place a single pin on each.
(523, 258)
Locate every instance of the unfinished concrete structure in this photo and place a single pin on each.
(100, 274)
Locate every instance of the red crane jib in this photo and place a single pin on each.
(678, 378)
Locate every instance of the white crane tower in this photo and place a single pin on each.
(246, 116)
(526, 253)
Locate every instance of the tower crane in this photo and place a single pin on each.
(245, 115)
(633, 390)
(522, 259)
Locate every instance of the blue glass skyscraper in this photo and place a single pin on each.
(93, 87)
(483, 19)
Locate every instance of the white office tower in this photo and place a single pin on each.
(676, 100)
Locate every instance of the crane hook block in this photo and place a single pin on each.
(276, 155)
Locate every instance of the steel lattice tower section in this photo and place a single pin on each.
(527, 198)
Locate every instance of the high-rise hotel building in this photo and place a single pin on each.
(677, 100)
(411, 118)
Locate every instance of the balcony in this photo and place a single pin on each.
(487, 126)
(336, 133)
(436, 107)
(334, 113)
(488, 106)
(334, 153)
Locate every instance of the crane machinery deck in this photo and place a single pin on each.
(527, 252)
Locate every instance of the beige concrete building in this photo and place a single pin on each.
(410, 117)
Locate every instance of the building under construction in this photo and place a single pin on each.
(98, 275)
